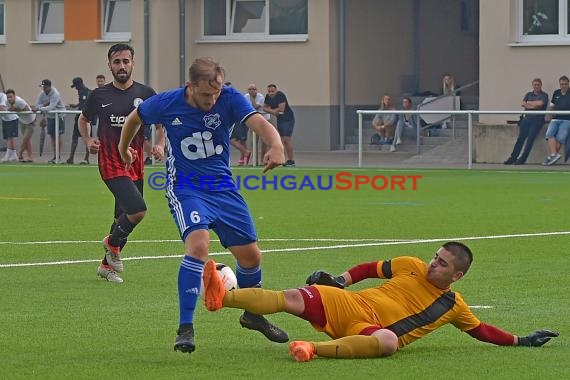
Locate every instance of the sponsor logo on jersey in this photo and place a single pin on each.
(176, 121)
(200, 145)
(117, 121)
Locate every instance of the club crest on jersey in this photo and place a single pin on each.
(137, 101)
(212, 121)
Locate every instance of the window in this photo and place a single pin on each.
(2, 23)
(255, 19)
(116, 20)
(249, 16)
(50, 20)
(543, 21)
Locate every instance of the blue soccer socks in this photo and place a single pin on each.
(189, 282)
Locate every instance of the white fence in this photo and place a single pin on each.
(469, 113)
(57, 127)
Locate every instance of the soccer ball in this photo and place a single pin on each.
(227, 275)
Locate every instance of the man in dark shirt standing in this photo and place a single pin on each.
(277, 105)
(559, 127)
(111, 104)
(530, 125)
(82, 94)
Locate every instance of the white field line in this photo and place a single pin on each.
(296, 249)
(174, 241)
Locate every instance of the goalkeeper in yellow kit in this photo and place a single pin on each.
(373, 322)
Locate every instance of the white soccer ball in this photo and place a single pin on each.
(227, 275)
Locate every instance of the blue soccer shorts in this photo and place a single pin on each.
(224, 212)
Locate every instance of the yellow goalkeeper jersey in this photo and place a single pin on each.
(406, 304)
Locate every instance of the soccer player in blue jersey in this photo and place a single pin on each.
(201, 191)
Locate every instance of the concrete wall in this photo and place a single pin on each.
(379, 45)
(384, 48)
(164, 49)
(493, 143)
(445, 47)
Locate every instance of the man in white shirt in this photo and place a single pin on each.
(27, 123)
(9, 130)
(239, 134)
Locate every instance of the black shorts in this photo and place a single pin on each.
(76, 133)
(51, 126)
(239, 132)
(128, 195)
(147, 132)
(10, 128)
(285, 128)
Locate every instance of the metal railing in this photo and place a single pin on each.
(57, 127)
(454, 95)
(56, 132)
(469, 114)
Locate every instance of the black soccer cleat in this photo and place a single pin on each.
(258, 322)
(185, 340)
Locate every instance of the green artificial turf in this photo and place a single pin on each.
(58, 321)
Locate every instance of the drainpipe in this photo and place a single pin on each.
(341, 69)
(182, 40)
(146, 43)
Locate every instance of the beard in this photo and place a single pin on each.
(122, 76)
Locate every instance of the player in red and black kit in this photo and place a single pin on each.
(111, 104)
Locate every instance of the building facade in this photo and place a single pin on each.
(330, 57)
(521, 40)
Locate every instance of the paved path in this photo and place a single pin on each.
(454, 157)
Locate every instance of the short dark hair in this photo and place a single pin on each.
(10, 91)
(408, 99)
(462, 254)
(120, 47)
(564, 78)
(271, 85)
(100, 76)
(205, 68)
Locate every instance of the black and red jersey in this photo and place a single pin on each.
(112, 105)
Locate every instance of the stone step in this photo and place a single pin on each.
(406, 147)
(426, 140)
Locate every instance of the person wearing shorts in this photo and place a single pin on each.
(49, 100)
(414, 300)
(26, 120)
(10, 133)
(111, 104)
(147, 145)
(238, 139)
(82, 95)
(558, 129)
(277, 105)
(201, 191)
(9, 129)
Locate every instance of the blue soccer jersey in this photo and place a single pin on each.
(198, 142)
